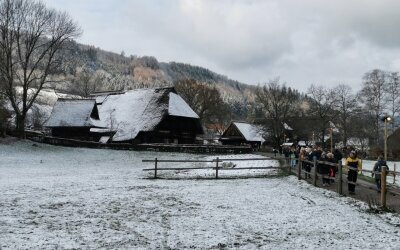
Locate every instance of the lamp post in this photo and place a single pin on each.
(313, 138)
(385, 119)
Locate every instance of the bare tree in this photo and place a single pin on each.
(361, 127)
(278, 102)
(393, 94)
(373, 96)
(346, 104)
(31, 37)
(322, 104)
(4, 116)
(205, 100)
(86, 82)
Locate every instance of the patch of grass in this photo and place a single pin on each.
(366, 178)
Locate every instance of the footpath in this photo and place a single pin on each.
(365, 191)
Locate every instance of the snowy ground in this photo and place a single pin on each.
(55, 197)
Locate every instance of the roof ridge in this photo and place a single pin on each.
(242, 122)
(75, 99)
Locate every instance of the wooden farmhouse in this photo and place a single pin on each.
(73, 118)
(142, 116)
(243, 133)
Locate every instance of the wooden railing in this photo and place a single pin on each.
(385, 187)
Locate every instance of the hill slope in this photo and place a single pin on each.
(105, 70)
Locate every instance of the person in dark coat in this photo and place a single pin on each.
(377, 170)
(338, 155)
(286, 152)
(275, 151)
(323, 169)
(308, 165)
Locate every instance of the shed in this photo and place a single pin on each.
(73, 118)
(239, 133)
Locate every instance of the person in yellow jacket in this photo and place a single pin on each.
(355, 165)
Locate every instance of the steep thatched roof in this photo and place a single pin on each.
(73, 113)
(140, 110)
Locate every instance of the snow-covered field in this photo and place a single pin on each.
(55, 197)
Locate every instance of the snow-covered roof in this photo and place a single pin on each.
(286, 126)
(178, 107)
(333, 127)
(140, 110)
(303, 143)
(250, 132)
(100, 99)
(72, 113)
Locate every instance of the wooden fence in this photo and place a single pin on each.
(299, 171)
(183, 148)
(385, 187)
(217, 167)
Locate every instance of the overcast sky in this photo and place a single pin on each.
(300, 41)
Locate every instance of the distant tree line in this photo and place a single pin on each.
(354, 115)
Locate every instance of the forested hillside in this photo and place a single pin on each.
(86, 69)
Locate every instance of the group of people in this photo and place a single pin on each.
(327, 164)
(327, 169)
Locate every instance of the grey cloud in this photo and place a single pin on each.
(304, 42)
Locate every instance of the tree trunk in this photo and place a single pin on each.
(323, 138)
(2, 131)
(20, 126)
(277, 142)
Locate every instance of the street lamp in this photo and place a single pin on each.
(313, 138)
(385, 119)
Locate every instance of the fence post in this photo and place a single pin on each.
(155, 168)
(299, 164)
(394, 174)
(340, 182)
(216, 168)
(383, 187)
(315, 173)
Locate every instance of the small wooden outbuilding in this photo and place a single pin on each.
(243, 133)
(73, 119)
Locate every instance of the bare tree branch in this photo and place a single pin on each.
(31, 37)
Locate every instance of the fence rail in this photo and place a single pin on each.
(338, 178)
(184, 148)
(385, 187)
(217, 168)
